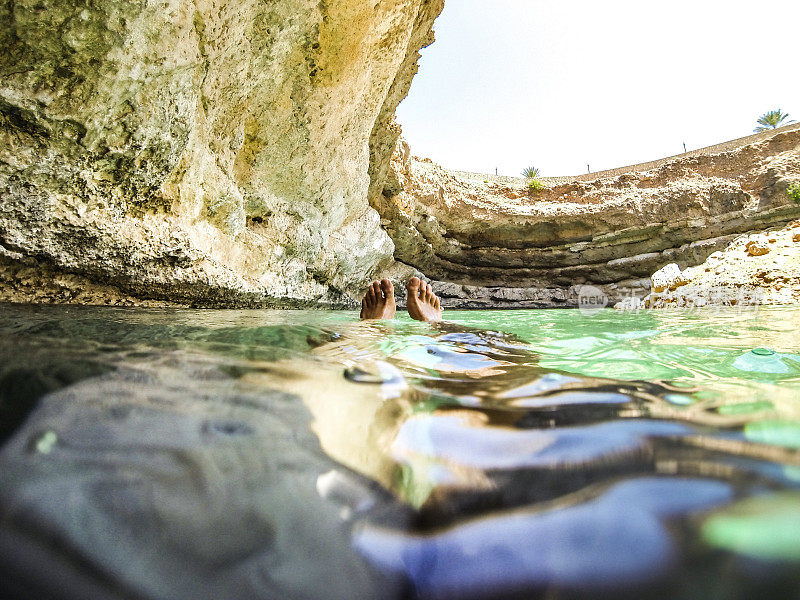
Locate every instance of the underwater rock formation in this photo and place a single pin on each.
(490, 242)
(198, 500)
(204, 152)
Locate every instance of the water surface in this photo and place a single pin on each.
(305, 454)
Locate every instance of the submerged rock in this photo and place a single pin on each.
(178, 454)
(156, 487)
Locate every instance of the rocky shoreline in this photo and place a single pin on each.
(755, 269)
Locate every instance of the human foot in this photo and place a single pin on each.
(422, 303)
(378, 302)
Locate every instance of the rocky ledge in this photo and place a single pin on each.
(493, 243)
(761, 268)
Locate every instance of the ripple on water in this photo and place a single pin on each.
(617, 535)
(304, 454)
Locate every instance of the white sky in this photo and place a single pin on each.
(558, 84)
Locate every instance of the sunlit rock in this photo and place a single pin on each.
(631, 303)
(199, 152)
(666, 278)
(750, 272)
(758, 245)
(487, 234)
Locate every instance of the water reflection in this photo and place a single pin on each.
(618, 536)
(473, 403)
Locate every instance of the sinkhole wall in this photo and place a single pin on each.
(220, 153)
(207, 152)
(489, 242)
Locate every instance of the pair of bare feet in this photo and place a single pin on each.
(421, 302)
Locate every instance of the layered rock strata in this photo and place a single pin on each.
(490, 243)
(756, 269)
(206, 152)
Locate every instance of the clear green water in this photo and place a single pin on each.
(265, 454)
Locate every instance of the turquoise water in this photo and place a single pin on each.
(266, 454)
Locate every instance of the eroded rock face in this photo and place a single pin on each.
(492, 243)
(209, 152)
(761, 268)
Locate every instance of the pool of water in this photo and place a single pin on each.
(304, 454)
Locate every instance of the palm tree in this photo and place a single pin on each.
(530, 173)
(772, 120)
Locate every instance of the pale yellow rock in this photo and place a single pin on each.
(737, 278)
(630, 304)
(205, 151)
(486, 233)
(666, 277)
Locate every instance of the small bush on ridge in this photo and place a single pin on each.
(530, 173)
(794, 191)
(535, 185)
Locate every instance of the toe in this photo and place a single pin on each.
(376, 290)
(436, 303)
(369, 297)
(413, 285)
(387, 288)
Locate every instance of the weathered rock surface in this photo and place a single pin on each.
(762, 268)
(494, 243)
(666, 277)
(226, 154)
(205, 152)
(161, 482)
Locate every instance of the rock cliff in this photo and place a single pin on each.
(219, 153)
(490, 242)
(760, 268)
(208, 152)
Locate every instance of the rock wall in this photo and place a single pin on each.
(496, 244)
(208, 152)
(218, 153)
(755, 269)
